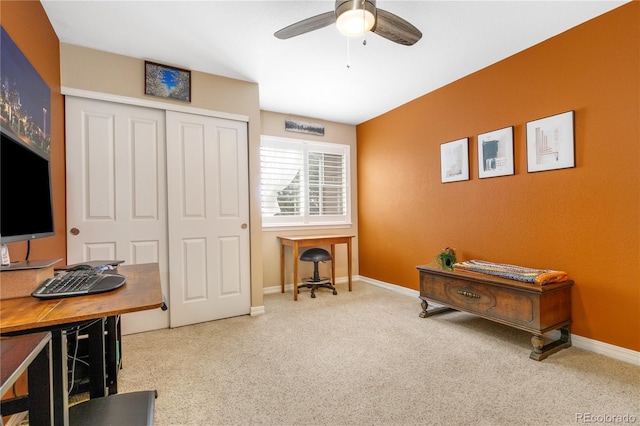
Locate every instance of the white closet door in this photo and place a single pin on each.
(116, 190)
(208, 209)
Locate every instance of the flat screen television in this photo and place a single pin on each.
(26, 202)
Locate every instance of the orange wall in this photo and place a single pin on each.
(583, 220)
(28, 26)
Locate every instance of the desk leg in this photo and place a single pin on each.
(97, 370)
(282, 268)
(295, 271)
(333, 265)
(112, 355)
(349, 261)
(60, 380)
(40, 380)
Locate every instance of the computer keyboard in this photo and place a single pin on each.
(78, 283)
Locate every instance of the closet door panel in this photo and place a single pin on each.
(146, 179)
(207, 173)
(116, 190)
(139, 178)
(98, 146)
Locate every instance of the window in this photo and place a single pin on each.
(303, 182)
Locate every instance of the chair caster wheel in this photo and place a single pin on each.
(313, 296)
(335, 292)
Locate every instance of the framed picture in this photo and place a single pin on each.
(167, 82)
(303, 127)
(495, 153)
(25, 109)
(550, 143)
(454, 160)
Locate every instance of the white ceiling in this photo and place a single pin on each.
(308, 75)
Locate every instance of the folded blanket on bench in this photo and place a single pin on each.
(519, 273)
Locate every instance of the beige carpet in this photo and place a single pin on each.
(366, 358)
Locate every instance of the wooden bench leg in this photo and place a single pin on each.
(541, 351)
(426, 312)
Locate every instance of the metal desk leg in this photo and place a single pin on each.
(40, 380)
(60, 380)
(97, 370)
(112, 354)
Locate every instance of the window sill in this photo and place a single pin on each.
(300, 227)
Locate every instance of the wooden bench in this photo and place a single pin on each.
(538, 309)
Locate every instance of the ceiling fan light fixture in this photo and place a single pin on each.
(355, 17)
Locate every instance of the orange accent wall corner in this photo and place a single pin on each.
(583, 220)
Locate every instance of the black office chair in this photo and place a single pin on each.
(316, 255)
(130, 408)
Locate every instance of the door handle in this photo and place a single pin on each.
(243, 226)
(74, 231)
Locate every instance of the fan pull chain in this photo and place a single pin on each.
(348, 53)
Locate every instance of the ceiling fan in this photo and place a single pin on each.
(356, 17)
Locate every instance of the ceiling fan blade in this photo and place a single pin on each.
(307, 25)
(396, 29)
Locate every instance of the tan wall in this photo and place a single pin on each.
(97, 71)
(28, 26)
(584, 220)
(273, 125)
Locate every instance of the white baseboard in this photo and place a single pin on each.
(289, 287)
(396, 288)
(276, 289)
(257, 310)
(606, 349)
(595, 346)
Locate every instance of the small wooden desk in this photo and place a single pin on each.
(313, 241)
(31, 352)
(23, 315)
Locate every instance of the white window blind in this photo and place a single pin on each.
(303, 182)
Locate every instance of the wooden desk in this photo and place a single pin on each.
(22, 315)
(313, 241)
(537, 309)
(31, 352)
